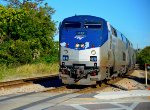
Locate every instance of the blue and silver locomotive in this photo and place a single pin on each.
(92, 50)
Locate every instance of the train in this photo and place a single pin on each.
(92, 50)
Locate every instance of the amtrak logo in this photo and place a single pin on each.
(80, 37)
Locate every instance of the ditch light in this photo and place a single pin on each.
(65, 57)
(93, 58)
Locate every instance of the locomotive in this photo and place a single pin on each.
(92, 50)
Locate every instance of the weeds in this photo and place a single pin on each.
(28, 70)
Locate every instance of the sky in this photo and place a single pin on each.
(130, 17)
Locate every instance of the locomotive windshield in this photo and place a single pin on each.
(72, 25)
(93, 25)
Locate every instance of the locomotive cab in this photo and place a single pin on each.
(80, 41)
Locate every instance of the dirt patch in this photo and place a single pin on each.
(133, 81)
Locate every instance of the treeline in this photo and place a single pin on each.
(27, 32)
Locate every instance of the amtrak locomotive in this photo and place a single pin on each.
(92, 50)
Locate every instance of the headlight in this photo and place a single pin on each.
(82, 45)
(93, 52)
(77, 45)
(65, 57)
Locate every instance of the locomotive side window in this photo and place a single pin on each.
(93, 25)
(124, 56)
(124, 39)
(131, 45)
(119, 35)
(127, 43)
(122, 36)
(113, 31)
(72, 25)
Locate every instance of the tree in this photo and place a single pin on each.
(144, 56)
(26, 28)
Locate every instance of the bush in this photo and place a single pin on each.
(21, 51)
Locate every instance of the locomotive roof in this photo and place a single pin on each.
(83, 18)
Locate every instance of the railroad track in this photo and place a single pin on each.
(87, 89)
(56, 88)
(25, 81)
(82, 89)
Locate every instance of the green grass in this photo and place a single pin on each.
(28, 70)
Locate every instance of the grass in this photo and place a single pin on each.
(26, 71)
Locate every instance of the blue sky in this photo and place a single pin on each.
(131, 17)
